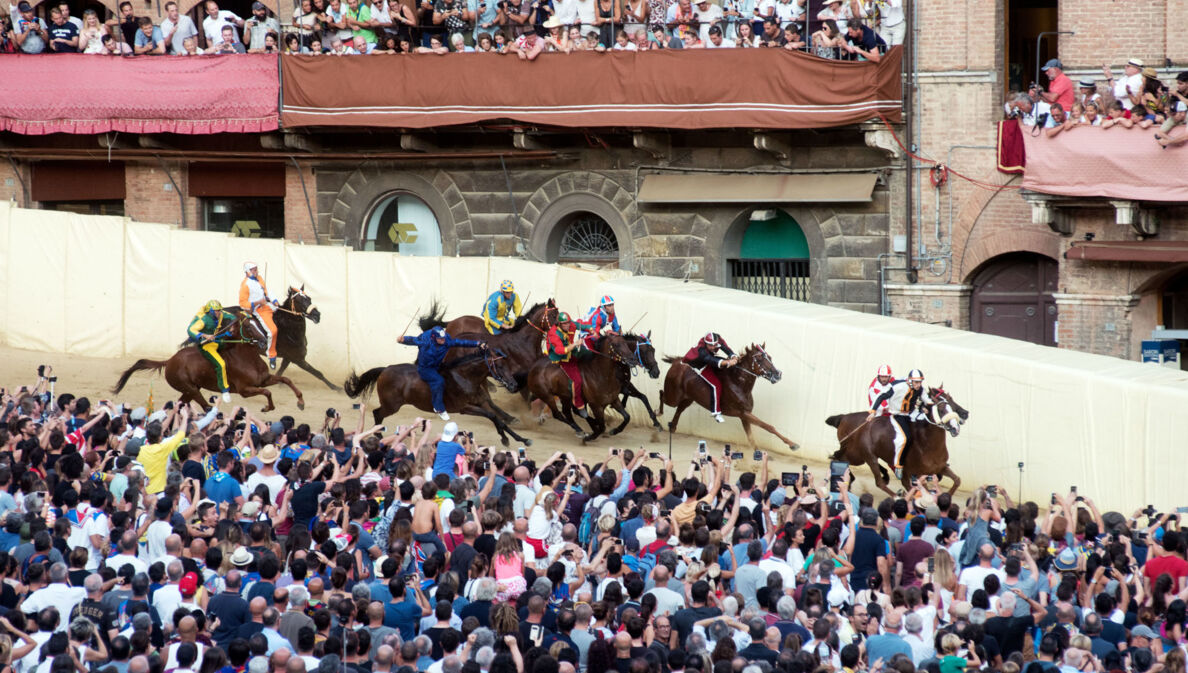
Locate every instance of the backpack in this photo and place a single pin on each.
(589, 518)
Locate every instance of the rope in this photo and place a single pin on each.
(942, 167)
(851, 433)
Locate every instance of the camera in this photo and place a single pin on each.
(53, 379)
(331, 413)
(1041, 119)
(758, 455)
(701, 447)
(40, 371)
(1150, 511)
(789, 478)
(737, 455)
(655, 455)
(355, 406)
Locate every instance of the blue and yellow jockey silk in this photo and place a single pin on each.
(499, 312)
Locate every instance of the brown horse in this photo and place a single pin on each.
(465, 387)
(926, 453)
(645, 355)
(291, 344)
(683, 386)
(600, 385)
(189, 373)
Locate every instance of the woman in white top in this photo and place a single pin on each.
(90, 38)
(746, 36)
(545, 517)
(839, 11)
(635, 15)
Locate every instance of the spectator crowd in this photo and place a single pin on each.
(1135, 99)
(137, 540)
(851, 29)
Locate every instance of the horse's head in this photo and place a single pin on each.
(945, 412)
(645, 353)
(299, 302)
(252, 331)
(756, 360)
(496, 361)
(621, 350)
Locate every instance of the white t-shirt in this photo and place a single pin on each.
(185, 28)
(120, 560)
(58, 596)
(539, 524)
(787, 12)
(276, 484)
(96, 523)
(630, 46)
(667, 600)
(156, 534)
(1132, 83)
(974, 577)
(165, 600)
(212, 27)
(705, 18)
(786, 571)
(525, 498)
(890, 12)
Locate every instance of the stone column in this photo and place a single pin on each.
(1095, 323)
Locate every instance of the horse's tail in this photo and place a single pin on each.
(356, 384)
(671, 359)
(434, 318)
(834, 421)
(140, 365)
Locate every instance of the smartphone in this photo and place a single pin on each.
(701, 447)
(1053, 498)
(655, 455)
(737, 455)
(383, 428)
(521, 451)
(992, 491)
(789, 479)
(726, 450)
(536, 633)
(212, 399)
(614, 452)
(757, 456)
(355, 406)
(931, 563)
(837, 468)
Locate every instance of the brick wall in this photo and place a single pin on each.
(298, 225)
(1113, 32)
(10, 183)
(151, 197)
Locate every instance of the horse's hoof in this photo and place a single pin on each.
(793, 446)
(527, 442)
(504, 441)
(657, 426)
(614, 432)
(301, 404)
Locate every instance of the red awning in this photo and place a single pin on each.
(1129, 251)
(87, 94)
(683, 89)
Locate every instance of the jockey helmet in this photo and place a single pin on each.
(564, 319)
(248, 266)
(506, 286)
(710, 339)
(885, 370)
(606, 300)
(212, 305)
(438, 332)
(915, 375)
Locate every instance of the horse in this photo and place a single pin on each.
(863, 442)
(645, 354)
(188, 371)
(601, 385)
(683, 386)
(465, 387)
(291, 344)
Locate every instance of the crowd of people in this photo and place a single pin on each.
(1135, 99)
(144, 540)
(851, 29)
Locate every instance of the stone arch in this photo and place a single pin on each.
(730, 226)
(572, 192)
(367, 187)
(983, 249)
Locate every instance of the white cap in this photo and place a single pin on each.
(248, 266)
(449, 432)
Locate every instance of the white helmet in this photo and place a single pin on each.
(248, 266)
(885, 370)
(915, 375)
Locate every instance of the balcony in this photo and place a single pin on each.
(695, 89)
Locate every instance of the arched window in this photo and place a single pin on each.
(588, 238)
(405, 224)
(773, 257)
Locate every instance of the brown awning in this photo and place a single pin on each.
(1129, 251)
(78, 181)
(235, 179)
(786, 188)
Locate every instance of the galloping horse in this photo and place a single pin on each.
(188, 372)
(683, 386)
(465, 389)
(291, 343)
(600, 385)
(926, 452)
(645, 355)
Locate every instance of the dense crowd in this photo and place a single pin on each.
(1135, 99)
(180, 540)
(852, 29)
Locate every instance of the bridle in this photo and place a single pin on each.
(289, 302)
(489, 359)
(239, 324)
(639, 341)
(943, 421)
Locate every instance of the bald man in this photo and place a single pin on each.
(278, 659)
(187, 632)
(382, 657)
(256, 608)
(525, 496)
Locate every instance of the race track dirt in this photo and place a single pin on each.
(94, 378)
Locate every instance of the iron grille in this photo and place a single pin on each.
(787, 278)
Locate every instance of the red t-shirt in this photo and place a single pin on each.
(1062, 88)
(1172, 565)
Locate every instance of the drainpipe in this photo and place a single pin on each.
(908, 93)
(1037, 47)
(883, 309)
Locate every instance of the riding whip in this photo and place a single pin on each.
(410, 320)
(632, 328)
(848, 435)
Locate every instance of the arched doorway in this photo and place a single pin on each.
(402, 223)
(773, 257)
(1012, 297)
(586, 237)
(1173, 308)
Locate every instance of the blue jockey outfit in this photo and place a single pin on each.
(598, 320)
(430, 354)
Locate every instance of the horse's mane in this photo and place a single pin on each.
(464, 360)
(435, 317)
(523, 319)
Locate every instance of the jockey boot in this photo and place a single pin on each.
(226, 395)
(582, 412)
(718, 417)
(899, 473)
(444, 416)
(272, 363)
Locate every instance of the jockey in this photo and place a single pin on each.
(600, 319)
(253, 297)
(501, 309)
(906, 402)
(206, 329)
(562, 341)
(879, 385)
(432, 347)
(703, 359)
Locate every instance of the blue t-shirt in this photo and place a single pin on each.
(222, 487)
(403, 617)
(443, 462)
(143, 40)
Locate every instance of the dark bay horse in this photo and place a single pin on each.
(683, 386)
(291, 344)
(601, 385)
(189, 373)
(465, 387)
(645, 355)
(864, 443)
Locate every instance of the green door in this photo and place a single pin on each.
(773, 259)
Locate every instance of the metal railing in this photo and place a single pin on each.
(787, 278)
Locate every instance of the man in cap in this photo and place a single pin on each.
(432, 346)
(253, 294)
(30, 31)
(255, 29)
(1060, 88)
(1128, 90)
(501, 308)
